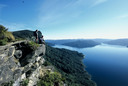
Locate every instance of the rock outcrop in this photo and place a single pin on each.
(19, 62)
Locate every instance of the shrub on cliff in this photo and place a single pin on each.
(50, 79)
(5, 35)
(3, 42)
(24, 82)
(33, 45)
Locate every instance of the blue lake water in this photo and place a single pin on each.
(107, 64)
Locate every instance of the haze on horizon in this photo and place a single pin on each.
(67, 19)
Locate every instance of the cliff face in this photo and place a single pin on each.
(23, 65)
(19, 62)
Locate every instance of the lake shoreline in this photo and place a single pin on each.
(102, 60)
(83, 68)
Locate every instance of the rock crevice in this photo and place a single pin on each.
(18, 62)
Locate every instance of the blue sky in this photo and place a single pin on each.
(67, 19)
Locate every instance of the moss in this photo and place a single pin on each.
(24, 82)
(19, 39)
(33, 45)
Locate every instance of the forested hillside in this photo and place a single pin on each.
(69, 64)
(25, 34)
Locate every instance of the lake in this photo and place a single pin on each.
(107, 64)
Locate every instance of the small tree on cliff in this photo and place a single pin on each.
(5, 35)
(2, 31)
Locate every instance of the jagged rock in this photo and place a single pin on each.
(38, 58)
(11, 51)
(34, 77)
(18, 54)
(31, 58)
(7, 65)
(17, 82)
(7, 50)
(17, 60)
(23, 76)
(5, 74)
(41, 50)
(17, 73)
(42, 60)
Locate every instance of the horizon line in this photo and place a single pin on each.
(86, 38)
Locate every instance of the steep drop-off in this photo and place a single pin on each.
(25, 63)
(19, 63)
(69, 64)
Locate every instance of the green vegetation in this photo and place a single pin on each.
(46, 63)
(24, 82)
(82, 43)
(5, 36)
(25, 34)
(3, 41)
(33, 45)
(8, 83)
(50, 44)
(50, 79)
(69, 64)
(19, 39)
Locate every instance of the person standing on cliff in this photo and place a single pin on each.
(36, 35)
(41, 40)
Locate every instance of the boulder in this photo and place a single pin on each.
(18, 54)
(33, 56)
(16, 74)
(41, 50)
(6, 74)
(17, 60)
(11, 51)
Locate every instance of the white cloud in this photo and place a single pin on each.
(123, 16)
(97, 2)
(53, 12)
(56, 12)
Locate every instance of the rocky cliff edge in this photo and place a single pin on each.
(19, 62)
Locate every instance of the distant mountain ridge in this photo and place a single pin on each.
(101, 40)
(62, 41)
(82, 43)
(123, 42)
